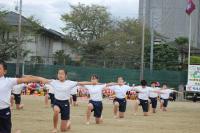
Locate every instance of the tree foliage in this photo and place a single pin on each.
(101, 38)
(86, 23)
(165, 56)
(61, 58)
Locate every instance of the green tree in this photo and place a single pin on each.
(122, 44)
(181, 43)
(103, 40)
(61, 58)
(165, 56)
(86, 24)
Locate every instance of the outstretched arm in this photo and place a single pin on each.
(176, 91)
(85, 83)
(111, 84)
(29, 78)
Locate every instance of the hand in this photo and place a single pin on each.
(94, 82)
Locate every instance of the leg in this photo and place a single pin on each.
(99, 120)
(74, 98)
(115, 109)
(55, 118)
(135, 106)
(122, 108)
(153, 110)
(145, 107)
(11, 101)
(161, 104)
(88, 113)
(146, 114)
(75, 103)
(154, 105)
(65, 125)
(46, 98)
(98, 113)
(165, 103)
(19, 106)
(18, 102)
(121, 114)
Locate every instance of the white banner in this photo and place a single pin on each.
(193, 83)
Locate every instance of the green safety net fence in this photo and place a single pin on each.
(79, 73)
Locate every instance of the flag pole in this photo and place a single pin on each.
(190, 38)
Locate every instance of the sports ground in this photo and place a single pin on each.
(182, 117)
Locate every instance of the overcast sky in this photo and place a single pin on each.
(49, 11)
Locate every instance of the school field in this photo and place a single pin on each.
(182, 117)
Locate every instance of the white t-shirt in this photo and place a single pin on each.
(49, 88)
(143, 92)
(120, 91)
(74, 90)
(62, 90)
(95, 91)
(165, 93)
(17, 89)
(153, 94)
(6, 85)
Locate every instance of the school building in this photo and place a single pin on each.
(42, 46)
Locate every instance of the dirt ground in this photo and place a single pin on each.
(182, 117)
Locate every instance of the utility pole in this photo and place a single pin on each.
(152, 41)
(19, 38)
(143, 41)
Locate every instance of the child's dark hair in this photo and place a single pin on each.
(95, 76)
(62, 69)
(3, 64)
(143, 82)
(153, 82)
(164, 84)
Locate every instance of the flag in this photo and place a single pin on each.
(190, 7)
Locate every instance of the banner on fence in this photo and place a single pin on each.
(193, 83)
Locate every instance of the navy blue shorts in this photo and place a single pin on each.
(74, 97)
(153, 102)
(17, 98)
(5, 121)
(165, 102)
(144, 104)
(64, 108)
(52, 98)
(97, 108)
(122, 104)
